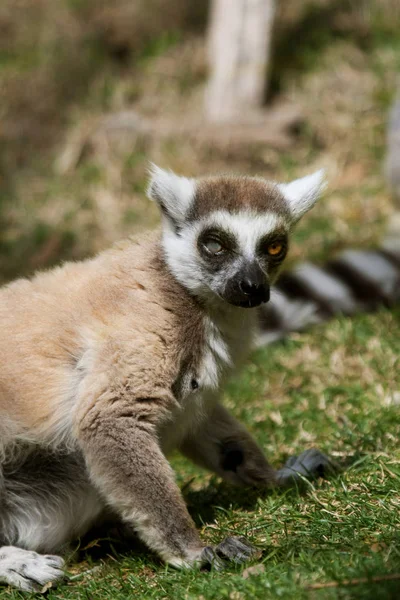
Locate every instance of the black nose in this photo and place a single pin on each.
(254, 289)
(248, 288)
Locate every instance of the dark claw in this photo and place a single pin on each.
(233, 549)
(209, 558)
(311, 464)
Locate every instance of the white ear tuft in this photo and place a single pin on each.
(303, 193)
(174, 194)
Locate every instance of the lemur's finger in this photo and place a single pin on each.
(209, 558)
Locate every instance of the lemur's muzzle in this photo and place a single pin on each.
(248, 288)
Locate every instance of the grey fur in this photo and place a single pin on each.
(28, 570)
(46, 500)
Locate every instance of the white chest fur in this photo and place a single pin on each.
(216, 357)
(225, 345)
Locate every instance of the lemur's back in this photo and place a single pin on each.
(38, 340)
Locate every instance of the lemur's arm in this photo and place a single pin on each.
(117, 432)
(224, 446)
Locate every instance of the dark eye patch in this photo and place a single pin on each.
(227, 240)
(277, 237)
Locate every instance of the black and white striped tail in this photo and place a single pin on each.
(355, 281)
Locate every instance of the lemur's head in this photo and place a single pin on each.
(225, 237)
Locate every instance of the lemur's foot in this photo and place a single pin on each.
(311, 464)
(29, 571)
(231, 549)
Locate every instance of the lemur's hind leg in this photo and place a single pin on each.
(224, 446)
(46, 500)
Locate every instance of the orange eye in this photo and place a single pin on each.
(274, 249)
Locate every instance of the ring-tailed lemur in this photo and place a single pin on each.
(109, 364)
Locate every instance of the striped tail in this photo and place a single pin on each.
(355, 281)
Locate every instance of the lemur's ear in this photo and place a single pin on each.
(173, 194)
(303, 193)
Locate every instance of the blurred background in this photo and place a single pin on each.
(92, 90)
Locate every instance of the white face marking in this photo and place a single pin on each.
(213, 282)
(248, 228)
(182, 253)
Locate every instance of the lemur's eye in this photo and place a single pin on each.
(213, 246)
(275, 248)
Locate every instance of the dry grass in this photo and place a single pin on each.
(51, 52)
(341, 85)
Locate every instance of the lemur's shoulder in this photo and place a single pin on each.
(135, 282)
(120, 311)
(125, 291)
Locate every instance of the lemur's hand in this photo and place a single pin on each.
(235, 550)
(311, 464)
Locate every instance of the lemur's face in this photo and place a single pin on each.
(225, 238)
(239, 254)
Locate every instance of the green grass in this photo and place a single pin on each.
(336, 387)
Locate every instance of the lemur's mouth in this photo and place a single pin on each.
(250, 303)
(247, 301)
(248, 288)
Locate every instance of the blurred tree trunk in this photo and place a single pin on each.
(239, 43)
